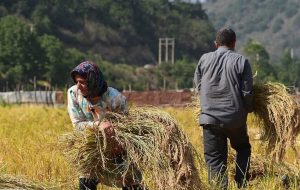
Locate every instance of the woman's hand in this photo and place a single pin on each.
(104, 125)
(107, 127)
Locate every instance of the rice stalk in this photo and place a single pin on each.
(277, 114)
(148, 147)
(11, 182)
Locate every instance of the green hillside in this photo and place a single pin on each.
(120, 31)
(41, 41)
(274, 23)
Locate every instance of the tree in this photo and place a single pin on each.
(20, 53)
(183, 72)
(259, 59)
(190, 27)
(58, 60)
(41, 19)
(289, 69)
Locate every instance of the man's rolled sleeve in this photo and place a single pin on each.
(247, 87)
(197, 77)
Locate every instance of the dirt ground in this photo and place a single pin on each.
(164, 98)
(160, 98)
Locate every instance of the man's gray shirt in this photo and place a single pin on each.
(224, 81)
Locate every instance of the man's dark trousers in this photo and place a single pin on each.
(215, 153)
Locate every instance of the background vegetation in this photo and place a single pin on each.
(46, 39)
(41, 41)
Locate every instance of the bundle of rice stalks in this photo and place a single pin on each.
(196, 105)
(10, 182)
(154, 151)
(277, 114)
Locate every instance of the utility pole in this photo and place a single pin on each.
(159, 51)
(166, 42)
(173, 50)
(293, 68)
(166, 51)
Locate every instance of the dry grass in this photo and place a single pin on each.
(11, 182)
(278, 116)
(30, 149)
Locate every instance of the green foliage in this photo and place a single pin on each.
(34, 42)
(189, 26)
(165, 76)
(259, 59)
(41, 20)
(118, 76)
(127, 77)
(118, 26)
(34, 45)
(58, 61)
(20, 53)
(286, 70)
(24, 56)
(183, 72)
(147, 79)
(179, 75)
(289, 69)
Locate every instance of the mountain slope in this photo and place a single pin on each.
(275, 23)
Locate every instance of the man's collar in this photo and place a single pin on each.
(223, 48)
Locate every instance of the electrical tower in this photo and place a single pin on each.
(166, 42)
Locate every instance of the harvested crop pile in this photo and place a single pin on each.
(278, 116)
(155, 152)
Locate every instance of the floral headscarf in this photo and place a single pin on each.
(92, 74)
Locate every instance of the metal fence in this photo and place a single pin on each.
(32, 97)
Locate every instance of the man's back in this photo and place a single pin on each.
(223, 74)
(224, 80)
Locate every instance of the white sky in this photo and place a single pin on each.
(193, 1)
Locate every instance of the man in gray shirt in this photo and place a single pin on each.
(223, 80)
